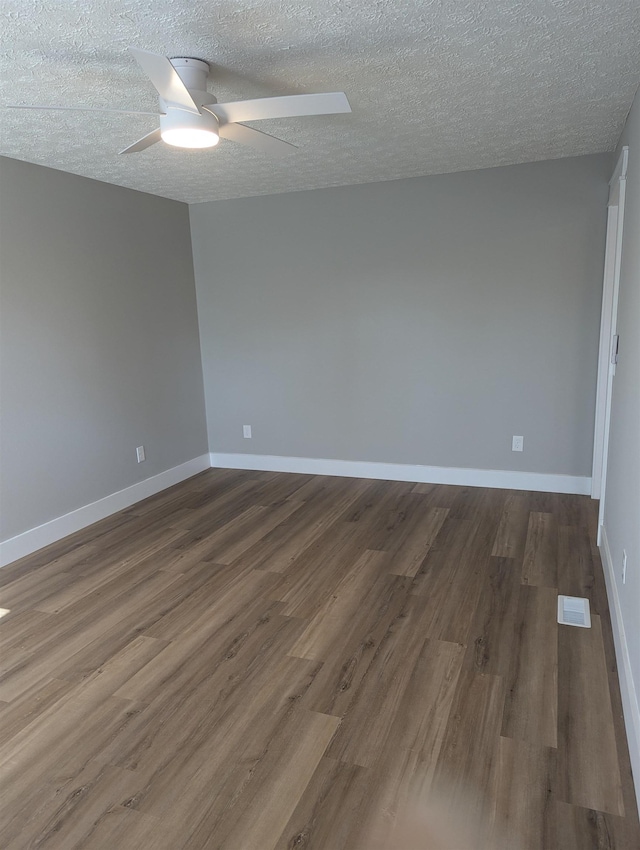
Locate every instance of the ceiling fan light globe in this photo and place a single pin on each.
(190, 137)
(183, 129)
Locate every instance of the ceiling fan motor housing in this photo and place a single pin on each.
(190, 129)
(192, 72)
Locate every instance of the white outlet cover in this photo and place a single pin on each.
(246, 432)
(517, 444)
(140, 455)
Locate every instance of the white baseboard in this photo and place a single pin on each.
(35, 538)
(501, 478)
(628, 692)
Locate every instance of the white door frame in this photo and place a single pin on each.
(608, 326)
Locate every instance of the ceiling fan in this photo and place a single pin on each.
(191, 117)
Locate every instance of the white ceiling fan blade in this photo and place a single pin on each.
(255, 139)
(81, 109)
(145, 142)
(165, 78)
(289, 106)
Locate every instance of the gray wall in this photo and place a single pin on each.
(421, 321)
(99, 342)
(622, 503)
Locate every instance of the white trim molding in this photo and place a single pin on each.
(608, 326)
(35, 538)
(504, 479)
(628, 691)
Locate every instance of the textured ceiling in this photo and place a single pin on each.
(435, 85)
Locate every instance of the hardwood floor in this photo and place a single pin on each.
(262, 661)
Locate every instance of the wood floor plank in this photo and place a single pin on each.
(201, 779)
(531, 704)
(76, 706)
(123, 828)
(267, 801)
(312, 577)
(33, 586)
(401, 514)
(372, 507)
(19, 630)
(588, 769)
(577, 577)
(423, 714)
(451, 578)
(278, 487)
(77, 588)
(22, 674)
(239, 662)
(277, 551)
(340, 608)
(577, 511)
(372, 715)
(100, 606)
(53, 749)
(540, 565)
(201, 717)
(16, 715)
(325, 814)
(423, 489)
(264, 660)
(233, 539)
(411, 547)
(464, 772)
(578, 828)
(511, 535)
(444, 496)
(211, 515)
(522, 800)
(68, 815)
(49, 586)
(403, 772)
(480, 504)
(185, 553)
(353, 649)
(491, 638)
(52, 557)
(121, 665)
(232, 608)
(142, 538)
(94, 615)
(215, 506)
(210, 582)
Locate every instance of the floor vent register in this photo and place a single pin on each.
(574, 611)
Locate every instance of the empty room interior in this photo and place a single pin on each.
(320, 425)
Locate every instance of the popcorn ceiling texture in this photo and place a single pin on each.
(435, 86)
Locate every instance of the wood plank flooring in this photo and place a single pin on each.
(264, 661)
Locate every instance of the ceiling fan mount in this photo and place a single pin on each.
(191, 117)
(192, 72)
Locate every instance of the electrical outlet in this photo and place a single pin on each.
(246, 432)
(624, 566)
(517, 444)
(140, 454)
